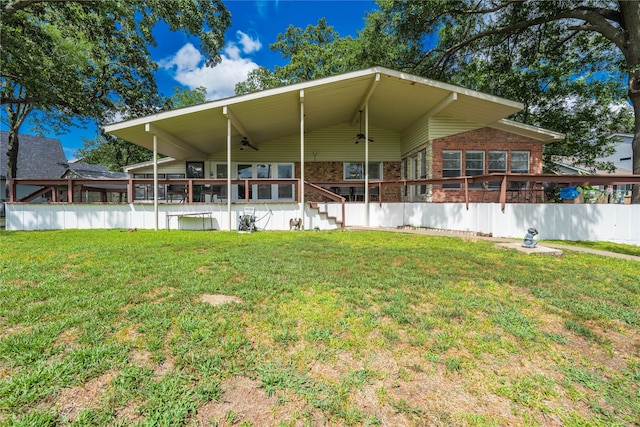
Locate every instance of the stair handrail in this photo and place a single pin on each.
(330, 195)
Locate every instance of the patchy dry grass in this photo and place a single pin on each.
(312, 328)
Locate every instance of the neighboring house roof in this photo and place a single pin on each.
(621, 159)
(80, 169)
(38, 157)
(130, 168)
(396, 100)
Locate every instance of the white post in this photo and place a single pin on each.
(229, 170)
(155, 180)
(366, 163)
(302, 157)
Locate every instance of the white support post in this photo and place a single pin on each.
(302, 157)
(155, 180)
(226, 112)
(366, 163)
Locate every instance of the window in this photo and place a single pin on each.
(145, 191)
(220, 171)
(260, 191)
(451, 166)
(196, 170)
(285, 191)
(244, 172)
(355, 171)
(474, 165)
(497, 164)
(405, 173)
(423, 169)
(519, 162)
(264, 190)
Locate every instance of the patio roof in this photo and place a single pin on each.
(395, 99)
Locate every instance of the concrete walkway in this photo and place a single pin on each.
(474, 235)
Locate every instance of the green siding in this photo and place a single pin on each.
(440, 127)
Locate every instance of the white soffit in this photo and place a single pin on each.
(398, 100)
(533, 132)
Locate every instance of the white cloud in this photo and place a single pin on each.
(249, 45)
(188, 68)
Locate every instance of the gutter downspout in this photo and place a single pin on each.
(302, 157)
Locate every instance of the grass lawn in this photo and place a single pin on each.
(111, 328)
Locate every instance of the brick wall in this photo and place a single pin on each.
(484, 139)
(324, 172)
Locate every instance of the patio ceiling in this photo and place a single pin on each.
(396, 100)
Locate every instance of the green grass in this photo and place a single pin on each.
(343, 328)
(603, 246)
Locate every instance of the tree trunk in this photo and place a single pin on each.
(631, 50)
(635, 144)
(17, 114)
(12, 153)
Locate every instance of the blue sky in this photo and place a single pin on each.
(254, 26)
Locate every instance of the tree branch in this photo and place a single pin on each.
(13, 6)
(596, 22)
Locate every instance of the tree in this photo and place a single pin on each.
(89, 60)
(115, 153)
(315, 52)
(566, 56)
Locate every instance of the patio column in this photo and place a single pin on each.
(366, 162)
(228, 169)
(301, 189)
(155, 181)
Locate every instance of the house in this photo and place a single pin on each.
(104, 192)
(621, 160)
(38, 157)
(373, 148)
(43, 158)
(344, 134)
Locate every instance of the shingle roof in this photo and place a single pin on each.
(85, 170)
(38, 157)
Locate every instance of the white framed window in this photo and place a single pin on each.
(474, 165)
(354, 171)
(405, 174)
(285, 191)
(451, 167)
(263, 190)
(497, 164)
(423, 169)
(256, 191)
(519, 162)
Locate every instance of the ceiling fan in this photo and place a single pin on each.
(361, 136)
(245, 143)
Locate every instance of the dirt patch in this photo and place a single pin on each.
(129, 414)
(158, 295)
(214, 299)
(70, 401)
(142, 358)
(244, 401)
(164, 367)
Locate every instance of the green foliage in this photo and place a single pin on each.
(92, 59)
(315, 52)
(570, 81)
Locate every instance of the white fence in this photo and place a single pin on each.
(596, 222)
